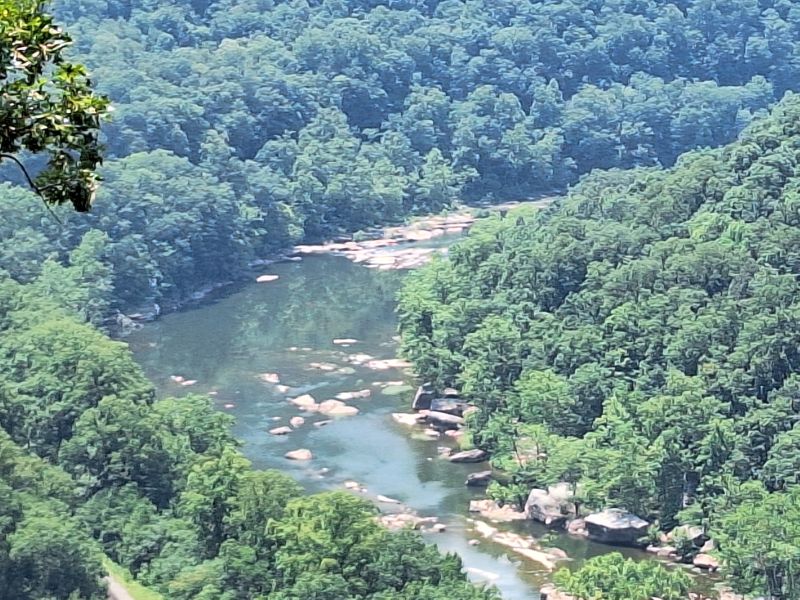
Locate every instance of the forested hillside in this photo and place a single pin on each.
(640, 339)
(241, 126)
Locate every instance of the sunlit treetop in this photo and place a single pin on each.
(47, 106)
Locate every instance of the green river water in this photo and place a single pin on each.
(281, 327)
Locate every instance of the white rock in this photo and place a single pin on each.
(280, 431)
(387, 500)
(297, 422)
(344, 341)
(336, 408)
(267, 278)
(306, 402)
(270, 377)
(300, 454)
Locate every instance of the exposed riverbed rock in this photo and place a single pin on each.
(337, 408)
(422, 399)
(523, 545)
(281, 431)
(550, 592)
(306, 402)
(468, 456)
(479, 479)
(300, 454)
(489, 509)
(404, 520)
(616, 526)
(408, 418)
(387, 500)
(267, 278)
(354, 395)
(297, 422)
(451, 406)
(444, 421)
(706, 562)
(694, 534)
(547, 509)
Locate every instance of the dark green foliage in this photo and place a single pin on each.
(639, 338)
(48, 106)
(244, 126)
(613, 577)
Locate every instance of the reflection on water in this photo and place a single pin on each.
(283, 327)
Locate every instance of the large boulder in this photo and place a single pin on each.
(451, 406)
(300, 454)
(696, 535)
(422, 399)
(468, 456)
(616, 526)
(443, 421)
(479, 479)
(545, 508)
(706, 562)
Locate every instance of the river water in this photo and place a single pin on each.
(282, 327)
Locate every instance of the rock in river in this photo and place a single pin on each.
(297, 422)
(479, 479)
(407, 418)
(281, 431)
(616, 526)
(423, 397)
(336, 408)
(451, 406)
(300, 454)
(543, 507)
(306, 402)
(468, 456)
(443, 421)
(706, 562)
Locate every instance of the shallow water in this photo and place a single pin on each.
(282, 327)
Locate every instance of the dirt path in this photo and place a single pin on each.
(116, 591)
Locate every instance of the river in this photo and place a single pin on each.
(287, 327)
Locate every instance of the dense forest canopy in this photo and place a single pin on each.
(242, 126)
(640, 340)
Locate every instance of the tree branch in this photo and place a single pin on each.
(31, 183)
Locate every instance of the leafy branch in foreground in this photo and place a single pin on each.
(47, 106)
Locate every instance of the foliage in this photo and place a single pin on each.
(612, 577)
(640, 339)
(760, 541)
(49, 106)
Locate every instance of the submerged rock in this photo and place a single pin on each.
(616, 526)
